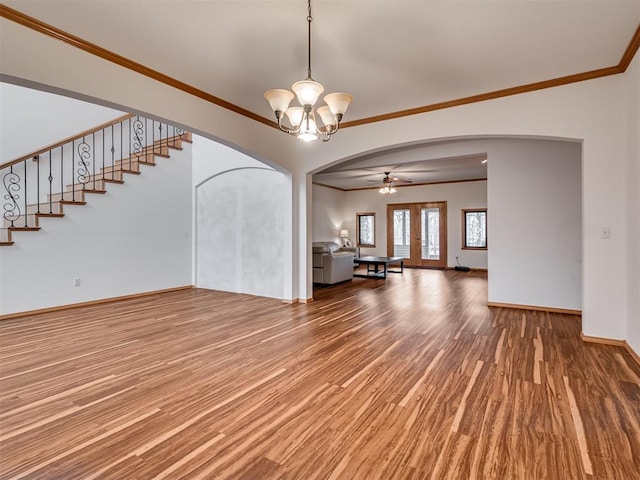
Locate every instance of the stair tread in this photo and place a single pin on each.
(23, 229)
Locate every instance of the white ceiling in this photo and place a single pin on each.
(390, 55)
(413, 164)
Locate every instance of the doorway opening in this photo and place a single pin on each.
(418, 233)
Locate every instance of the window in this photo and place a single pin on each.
(474, 226)
(366, 228)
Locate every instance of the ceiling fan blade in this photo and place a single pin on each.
(402, 182)
(404, 172)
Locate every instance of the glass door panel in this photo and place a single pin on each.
(401, 233)
(430, 220)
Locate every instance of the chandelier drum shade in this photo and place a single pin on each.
(302, 121)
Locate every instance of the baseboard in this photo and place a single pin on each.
(602, 340)
(632, 352)
(535, 308)
(612, 341)
(298, 300)
(92, 302)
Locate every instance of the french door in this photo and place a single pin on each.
(418, 232)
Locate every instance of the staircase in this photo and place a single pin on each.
(40, 184)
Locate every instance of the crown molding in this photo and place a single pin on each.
(530, 87)
(51, 31)
(630, 52)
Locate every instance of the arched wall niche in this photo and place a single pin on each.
(239, 234)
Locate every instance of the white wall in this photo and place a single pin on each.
(32, 119)
(135, 238)
(534, 190)
(633, 209)
(240, 222)
(328, 214)
(457, 195)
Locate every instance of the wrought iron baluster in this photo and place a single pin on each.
(93, 155)
(84, 154)
(50, 178)
(103, 176)
(73, 172)
(146, 129)
(138, 148)
(61, 172)
(11, 182)
(37, 159)
(113, 155)
(121, 149)
(26, 217)
(130, 147)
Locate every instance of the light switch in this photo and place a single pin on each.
(605, 232)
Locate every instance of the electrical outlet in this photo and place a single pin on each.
(76, 281)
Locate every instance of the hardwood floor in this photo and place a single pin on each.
(412, 377)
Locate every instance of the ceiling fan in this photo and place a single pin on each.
(389, 181)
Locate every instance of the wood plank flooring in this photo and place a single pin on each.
(408, 378)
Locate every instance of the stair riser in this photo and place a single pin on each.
(107, 171)
(67, 197)
(54, 207)
(78, 187)
(150, 158)
(21, 221)
(116, 176)
(5, 235)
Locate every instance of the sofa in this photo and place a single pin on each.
(331, 263)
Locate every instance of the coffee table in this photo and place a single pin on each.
(378, 267)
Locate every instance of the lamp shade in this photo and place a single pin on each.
(327, 117)
(295, 115)
(307, 91)
(344, 233)
(338, 102)
(279, 99)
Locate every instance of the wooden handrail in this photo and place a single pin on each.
(68, 140)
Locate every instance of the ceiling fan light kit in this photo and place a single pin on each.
(302, 120)
(387, 189)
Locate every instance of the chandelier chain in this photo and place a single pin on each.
(309, 20)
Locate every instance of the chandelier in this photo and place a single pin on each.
(303, 122)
